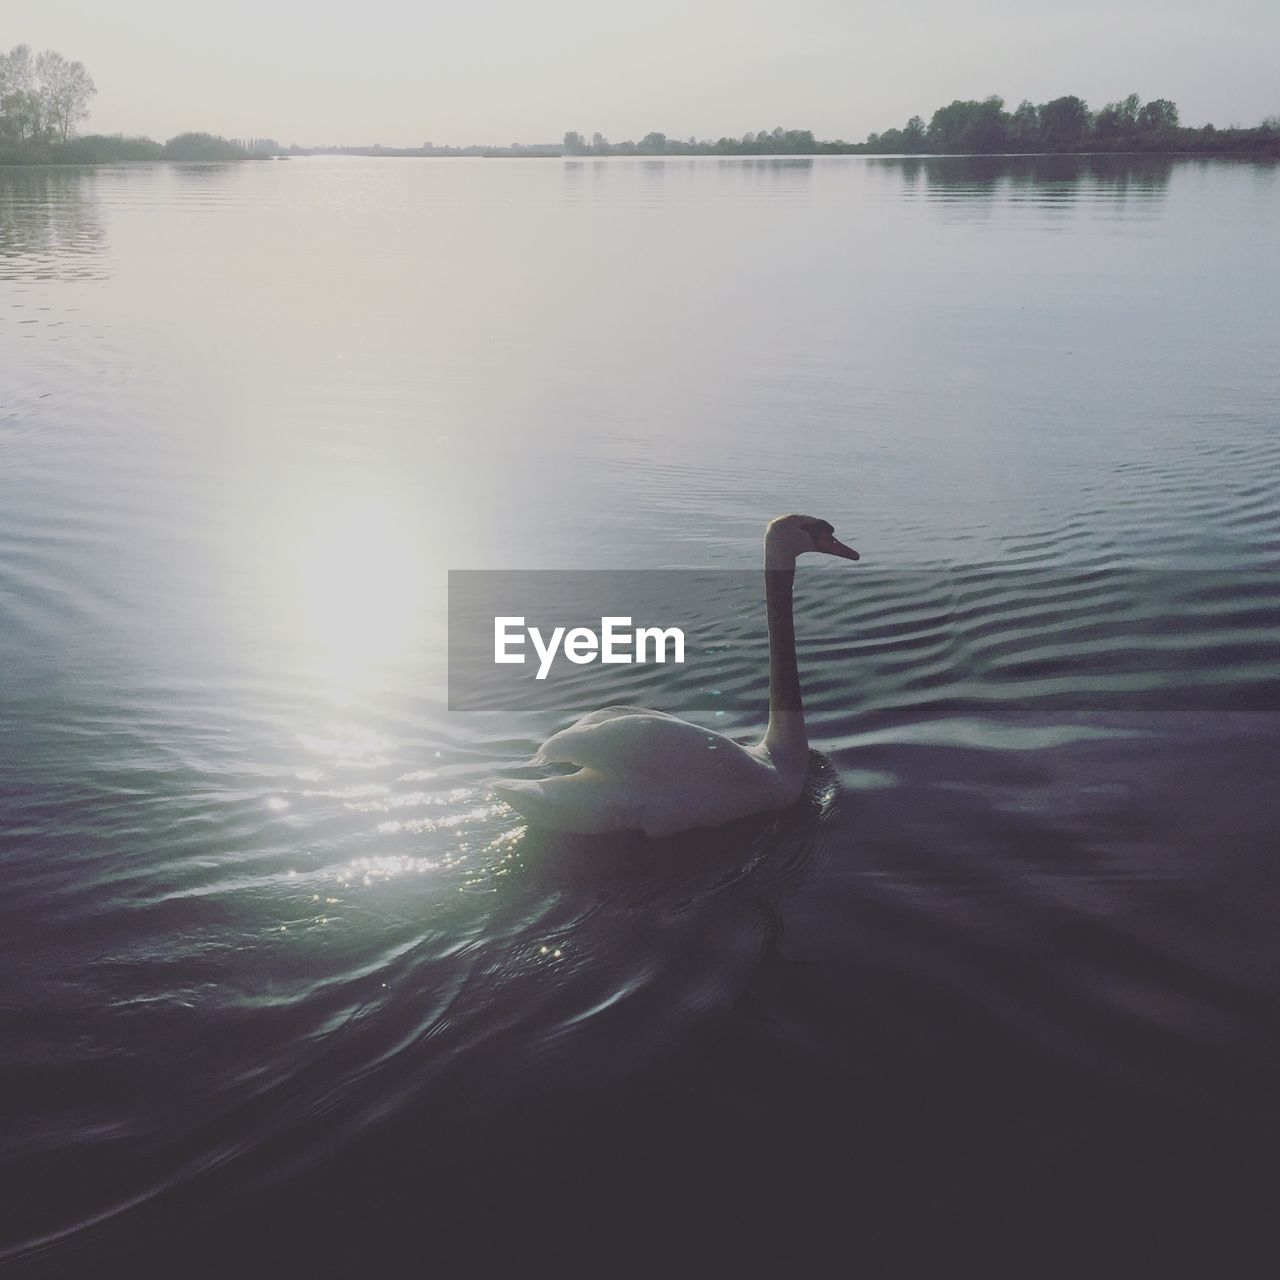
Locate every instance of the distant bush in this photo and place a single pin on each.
(203, 146)
(13, 151)
(100, 148)
(116, 148)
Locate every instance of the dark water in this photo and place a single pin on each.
(284, 989)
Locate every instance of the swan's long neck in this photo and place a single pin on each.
(785, 738)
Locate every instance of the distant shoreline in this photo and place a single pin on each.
(37, 120)
(1064, 126)
(501, 153)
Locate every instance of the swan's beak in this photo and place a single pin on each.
(837, 548)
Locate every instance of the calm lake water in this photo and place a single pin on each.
(284, 986)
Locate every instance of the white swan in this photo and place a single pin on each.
(655, 773)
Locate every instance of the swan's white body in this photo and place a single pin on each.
(651, 772)
(654, 773)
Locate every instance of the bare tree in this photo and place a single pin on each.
(65, 90)
(17, 70)
(20, 103)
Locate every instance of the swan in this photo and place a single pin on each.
(654, 773)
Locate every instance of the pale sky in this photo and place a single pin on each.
(404, 71)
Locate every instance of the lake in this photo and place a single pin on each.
(285, 986)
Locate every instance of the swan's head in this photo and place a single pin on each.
(797, 535)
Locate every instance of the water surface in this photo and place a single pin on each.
(284, 984)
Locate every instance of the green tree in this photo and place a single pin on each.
(1064, 122)
(949, 126)
(1117, 121)
(913, 135)
(1159, 116)
(989, 128)
(970, 126)
(573, 143)
(1024, 125)
(1106, 124)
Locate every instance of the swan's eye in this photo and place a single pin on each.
(820, 531)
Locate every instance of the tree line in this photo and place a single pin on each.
(980, 127)
(1067, 124)
(43, 97)
(778, 141)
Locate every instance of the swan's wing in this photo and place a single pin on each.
(625, 741)
(567, 746)
(554, 748)
(645, 771)
(583, 803)
(606, 713)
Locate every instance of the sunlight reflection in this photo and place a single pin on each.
(350, 795)
(499, 857)
(348, 575)
(452, 821)
(370, 870)
(348, 746)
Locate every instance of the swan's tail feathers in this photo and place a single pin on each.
(583, 803)
(522, 794)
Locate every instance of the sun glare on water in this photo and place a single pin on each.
(350, 577)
